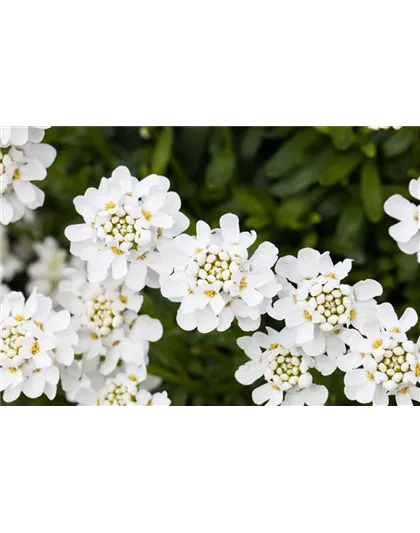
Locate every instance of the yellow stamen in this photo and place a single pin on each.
(13, 369)
(132, 377)
(143, 256)
(35, 348)
(274, 346)
(110, 205)
(40, 325)
(210, 294)
(370, 376)
(116, 251)
(307, 315)
(94, 336)
(123, 299)
(377, 344)
(147, 214)
(17, 174)
(353, 314)
(396, 330)
(243, 284)
(19, 318)
(404, 390)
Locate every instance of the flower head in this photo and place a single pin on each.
(106, 317)
(284, 367)
(127, 223)
(407, 231)
(46, 273)
(34, 341)
(215, 281)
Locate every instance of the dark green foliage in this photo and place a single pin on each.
(322, 187)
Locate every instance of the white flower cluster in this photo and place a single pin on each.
(215, 281)
(127, 224)
(407, 231)
(35, 341)
(384, 124)
(46, 272)
(10, 264)
(24, 161)
(383, 362)
(330, 324)
(113, 341)
(125, 389)
(285, 368)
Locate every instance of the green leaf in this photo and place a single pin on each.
(251, 142)
(371, 192)
(350, 223)
(221, 169)
(291, 154)
(342, 136)
(340, 167)
(304, 177)
(163, 151)
(369, 149)
(398, 143)
(192, 146)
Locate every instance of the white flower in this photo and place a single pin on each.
(215, 281)
(18, 136)
(18, 169)
(45, 273)
(285, 368)
(127, 224)
(126, 389)
(317, 306)
(407, 231)
(390, 362)
(10, 264)
(384, 124)
(105, 315)
(34, 340)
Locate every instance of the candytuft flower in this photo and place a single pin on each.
(127, 224)
(407, 232)
(46, 273)
(215, 281)
(34, 341)
(285, 368)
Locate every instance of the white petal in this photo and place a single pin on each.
(25, 191)
(325, 365)
(119, 267)
(365, 290)
(136, 276)
(229, 224)
(251, 296)
(6, 211)
(249, 372)
(79, 232)
(10, 395)
(404, 231)
(387, 315)
(308, 262)
(187, 322)
(367, 393)
(305, 333)
(262, 394)
(34, 386)
(287, 267)
(282, 308)
(408, 319)
(206, 320)
(58, 321)
(399, 207)
(414, 188)
(148, 328)
(315, 395)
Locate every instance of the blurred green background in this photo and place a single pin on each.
(322, 187)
